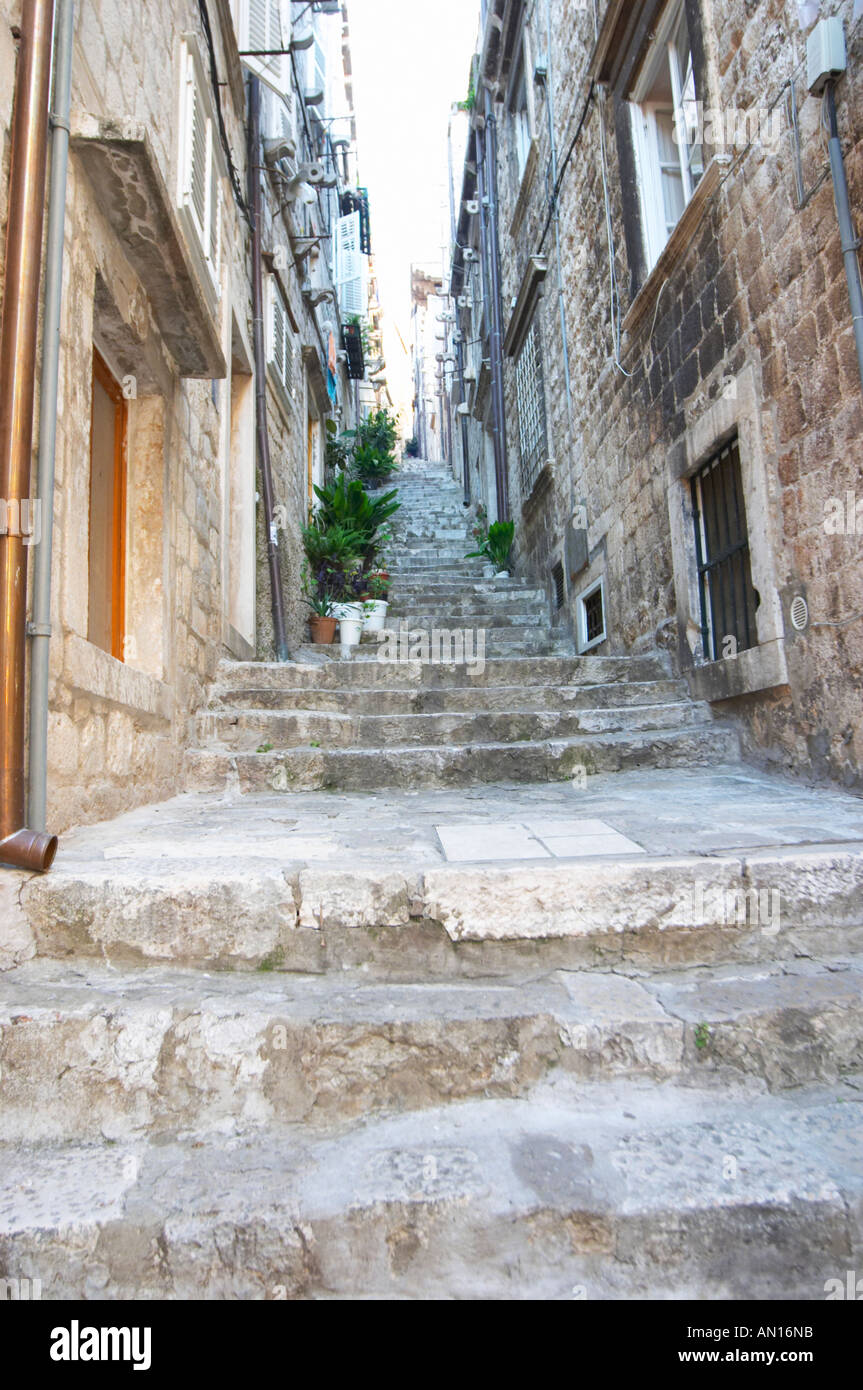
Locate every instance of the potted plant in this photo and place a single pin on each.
(495, 547)
(375, 606)
(322, 622)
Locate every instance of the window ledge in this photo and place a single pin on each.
(677, 244)
(760, 668)
(542, 482)
(122, 166)
(91, 671)
(525, 187)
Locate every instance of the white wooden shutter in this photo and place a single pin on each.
(281, 345)
(265, 25)
(350, 267)
(201, 167)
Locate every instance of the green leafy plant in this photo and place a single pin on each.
(412, 447)
(338, 450)
(379, 586)
(702, 1035)
(347, 504)
(496, 545)
(372, 466)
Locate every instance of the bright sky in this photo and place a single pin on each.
(411, 61)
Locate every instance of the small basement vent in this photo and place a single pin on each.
(590, 616)
(559, 585)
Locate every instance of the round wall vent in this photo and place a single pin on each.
(799, 613)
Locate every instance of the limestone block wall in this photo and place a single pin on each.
(747, 326)
(118, 728)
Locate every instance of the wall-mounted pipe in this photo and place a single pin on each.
(40, 625)
(850, 244)
(256, 165)
(26, 849)
(496, 317)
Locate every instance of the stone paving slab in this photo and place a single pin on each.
(665, 812)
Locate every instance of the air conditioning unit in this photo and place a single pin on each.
(314, 96)
(472, 207)
(470, 254)
(462, 408)
(463, 301)
(327, 7)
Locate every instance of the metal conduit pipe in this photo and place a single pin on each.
(498, 407)
(850, 242)
(264, 463)
(552, 140)
(20, 846)
(40, 625)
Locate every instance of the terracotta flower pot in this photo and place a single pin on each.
(323, 629)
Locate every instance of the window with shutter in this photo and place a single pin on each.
(281, 353)
(201, 166)
(264, 36)
(351, 267)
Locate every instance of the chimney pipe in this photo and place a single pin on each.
(24, 848)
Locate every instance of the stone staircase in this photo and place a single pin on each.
(239, 1064)
(523, 707)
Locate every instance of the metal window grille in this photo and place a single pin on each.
(728, 600)
(559, 585)
(530, 391)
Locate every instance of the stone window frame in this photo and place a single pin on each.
(587, 592)
(525, 172)
(531, 408)
(660, 53)
(736, 411)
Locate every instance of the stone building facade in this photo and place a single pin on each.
(682, 396)
(159, 554)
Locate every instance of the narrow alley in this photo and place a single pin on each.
(431, 806)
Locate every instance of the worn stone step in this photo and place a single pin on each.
(444, 616)
(248, 905)
(485, 700)
(92, 1052)
(613, 1191)
(322, 667)
(549, 760)
(246, 731)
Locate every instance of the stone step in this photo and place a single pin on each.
(484, 700)
(247, 731)
(546, 760)
(443, 616)
(616, 1191)
(91, 1053)
(247, 905)
(317, 667)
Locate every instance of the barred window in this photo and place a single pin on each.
(530, 390)
(728, 599)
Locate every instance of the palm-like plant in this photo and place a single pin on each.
(496, 545)
(348, 505)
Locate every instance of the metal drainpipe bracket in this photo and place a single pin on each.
(39, 630)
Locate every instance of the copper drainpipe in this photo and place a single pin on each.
(26, 849)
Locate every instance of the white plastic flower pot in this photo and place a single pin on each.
(502, 574)
(375, 615)
(350, 631)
